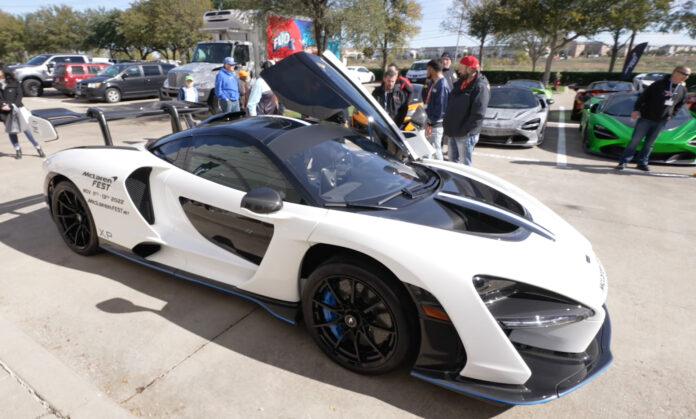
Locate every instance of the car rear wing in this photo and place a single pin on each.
(43, 122)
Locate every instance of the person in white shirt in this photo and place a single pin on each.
(188, 93)
(262, 101)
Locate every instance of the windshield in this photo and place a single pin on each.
(211, 53)
(526, 83)
(655, 76)
(39, 59)
(351, 169)
(112, 70)
(623, 106)
(512, 99)
(419, 66)
(614, 86)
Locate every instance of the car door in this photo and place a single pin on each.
(132, 81)
(153, 79)
(224, 241)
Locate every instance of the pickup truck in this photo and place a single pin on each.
(37, 73)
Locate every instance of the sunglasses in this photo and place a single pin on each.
(683, 73)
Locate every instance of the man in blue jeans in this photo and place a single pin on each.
(227, 87)
(655, 106)
(435, 105)
(466, 108)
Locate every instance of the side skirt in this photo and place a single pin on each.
(284, 310)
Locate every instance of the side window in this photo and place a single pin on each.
(151, 70)
(93, 69)
(57, 60)
(76, 59)
(234, 163)
(77, 69)
(167, 67)
(133, 72)
(170, 151)
(241, 54)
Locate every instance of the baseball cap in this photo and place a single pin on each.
(187, 78)
(230, 61)
(446, 54)
(243, 73)
(469, 61)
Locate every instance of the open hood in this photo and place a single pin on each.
(320, 87)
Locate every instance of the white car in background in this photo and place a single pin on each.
(641, 81)
(362, 74)
(418, 72)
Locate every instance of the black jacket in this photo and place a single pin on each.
(466, 108)
(394, 102)
(12, 93)
(651, 103)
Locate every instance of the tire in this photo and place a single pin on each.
(542, 134)
(74, 220)
(112, 95)
(359, 316)
(32, 87)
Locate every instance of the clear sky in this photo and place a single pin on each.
(433, 11)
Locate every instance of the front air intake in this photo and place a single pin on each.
(138, 187)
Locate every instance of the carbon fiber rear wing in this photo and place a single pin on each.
(44, 121)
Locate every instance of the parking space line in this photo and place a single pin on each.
(561, 159)
(500, 156)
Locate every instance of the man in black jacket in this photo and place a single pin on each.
(466, 108)
(402, 82)
(392, 98)
(655, 106)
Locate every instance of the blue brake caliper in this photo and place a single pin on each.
(329, 299)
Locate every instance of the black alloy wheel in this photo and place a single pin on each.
(361, 318)
(74, 220)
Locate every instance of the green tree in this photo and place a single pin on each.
(380, 25)
(106, 33)
(558, 22)
(534, 46)
(475, 18)
(136, 23)
(685, 18)
(55, 29)
(643, 14)
(12, 38)
(176, 25)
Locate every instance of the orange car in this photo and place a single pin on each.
(359, 121)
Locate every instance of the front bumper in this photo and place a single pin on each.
(508, 136)
(554, 374)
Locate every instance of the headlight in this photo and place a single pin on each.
(93, 85)
(515, 305)
(603, 133)
(207, 84)
(692, 141)
(531, 125)
(166, 83)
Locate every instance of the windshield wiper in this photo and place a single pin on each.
(357, 205)
(413, 191)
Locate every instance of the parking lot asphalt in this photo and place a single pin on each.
(104, 337)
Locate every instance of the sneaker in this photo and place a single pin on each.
(643, 167)
(620, 166)
(41, 152)
(18, 153)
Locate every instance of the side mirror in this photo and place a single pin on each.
(124, 76)
(594, 107)
(262, 201)
(550, 101)
(51, 65)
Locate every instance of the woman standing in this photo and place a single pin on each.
(11, 94)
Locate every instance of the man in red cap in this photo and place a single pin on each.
(466, 108)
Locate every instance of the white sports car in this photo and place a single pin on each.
(391, 261)
(515, 116)
(361, 73)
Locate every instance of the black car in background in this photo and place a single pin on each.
(125, 81)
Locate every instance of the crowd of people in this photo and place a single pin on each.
(455, 104)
